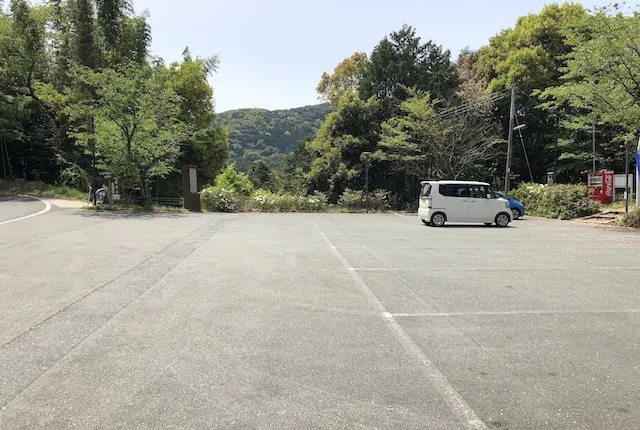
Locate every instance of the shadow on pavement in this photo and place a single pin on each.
(20, 199)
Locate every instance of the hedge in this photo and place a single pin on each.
(556, 201)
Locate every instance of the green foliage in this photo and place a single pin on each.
(136, 116)
(352, 199)
(556, 201)
(40, 189)
(601, 76)
(631, 219)
(400, 62)
(76, 177)
(346, 79)
(259, 134)
(63, 60)
(221, 199)
(234, 181)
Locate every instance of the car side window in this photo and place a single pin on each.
(478, 192)
(458, 191)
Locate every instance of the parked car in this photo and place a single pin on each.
(517, 208)
(462, 201)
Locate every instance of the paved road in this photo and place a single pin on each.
(316, 321)
(12, 207)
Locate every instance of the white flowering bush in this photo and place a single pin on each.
(220, 199)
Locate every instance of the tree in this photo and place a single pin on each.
(82, 33)
(207, 147)
(346, 78)
(423, 144)
(530, 55)
(400, 61)
(260, 175)
(136, 115)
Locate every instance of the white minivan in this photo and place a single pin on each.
(462, 201)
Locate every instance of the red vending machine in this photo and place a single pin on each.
(601, 185)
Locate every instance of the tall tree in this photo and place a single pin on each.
(401, 61)
(530, 56)
(136, 114)
(82, 33)
(345, 79)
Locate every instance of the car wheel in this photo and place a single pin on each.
(516, 213)
(438, 219)
(502, 219)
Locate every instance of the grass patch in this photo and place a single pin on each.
(631, 219)
(40, 189)
(618, 206)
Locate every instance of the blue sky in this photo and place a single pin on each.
(273, 52)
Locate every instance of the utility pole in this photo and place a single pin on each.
(92, 145)
(638, 175)
(512, 116)
(365, 158)
(594, 145)
(626, 177)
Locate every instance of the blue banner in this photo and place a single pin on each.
(637, 161)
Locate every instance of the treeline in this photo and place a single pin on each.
(413, 113)
(264, 135)
(67, 61)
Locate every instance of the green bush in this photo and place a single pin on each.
(40, 189)
(555, 201)
(631, 219)
(219, 199)
(351, 199)
(266, 201)
(379, 200)
(75, 177)
(236, 182)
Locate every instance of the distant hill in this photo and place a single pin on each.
(256, 134)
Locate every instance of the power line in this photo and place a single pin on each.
(467, 107)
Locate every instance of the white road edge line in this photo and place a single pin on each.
(47, 208)
(461, 410)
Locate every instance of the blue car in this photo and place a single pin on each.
(517, 208)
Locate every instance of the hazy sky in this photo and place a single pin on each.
(273, 52)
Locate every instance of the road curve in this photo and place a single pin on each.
(14, 208)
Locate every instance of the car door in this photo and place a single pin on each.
(458, 202)
(480, 207)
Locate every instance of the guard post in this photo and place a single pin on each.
(190, 188)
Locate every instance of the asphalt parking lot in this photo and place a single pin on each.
(315, 321)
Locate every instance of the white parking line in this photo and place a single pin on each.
(461, 410)
(501, 313)
(47, 208)
(461, 269)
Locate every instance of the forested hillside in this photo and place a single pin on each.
(260, 134)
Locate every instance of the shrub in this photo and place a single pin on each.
(219, 199)
(351, 199)
(556, 201)
(631, 219)
(379, 200)
(266, 201)
(76, 177)
(234, 181)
